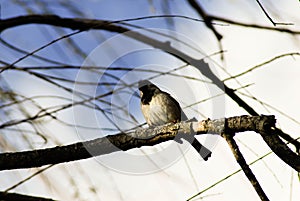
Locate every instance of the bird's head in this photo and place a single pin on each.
(147, 86)
(147, 90)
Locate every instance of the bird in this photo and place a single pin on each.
(159, 107)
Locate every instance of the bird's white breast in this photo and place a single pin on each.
(161, 110)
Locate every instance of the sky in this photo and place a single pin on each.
(166, 171)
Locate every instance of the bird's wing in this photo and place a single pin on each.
(177, 105)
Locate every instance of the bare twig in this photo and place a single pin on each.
(206, 18)
(40, 48)
(262, 64)
(28, 178)
(230, 175)
(268, 16)
(273, 108)
(226, 177)
(246, 169)
(13, 47)
(255, 26)
(208, 22)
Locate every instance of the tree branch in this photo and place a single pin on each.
(268, 16)
(72, 23)
(255, 26)
(246, 169)
(86, 24)
(19, 197)
(144, 137)
(206, 18)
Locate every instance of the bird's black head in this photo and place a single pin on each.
(143, 84)
(146, 86)
(147, 89)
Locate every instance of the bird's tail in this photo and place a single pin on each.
(202, 150)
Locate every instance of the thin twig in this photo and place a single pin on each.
(27, 178)
(268, 16)
(255, 26)
(208, 22)
(228, 176)
(232, 174)
(262, 64)
(246, 169)
(206, 18)
(38, 49)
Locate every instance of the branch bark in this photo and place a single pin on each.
(144, 137)
(19, 197)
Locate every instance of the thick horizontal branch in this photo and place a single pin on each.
(72, 23)
(19, 197)
(141, 137)
(85, 24)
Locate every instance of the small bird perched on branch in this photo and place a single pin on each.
(159, 107)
